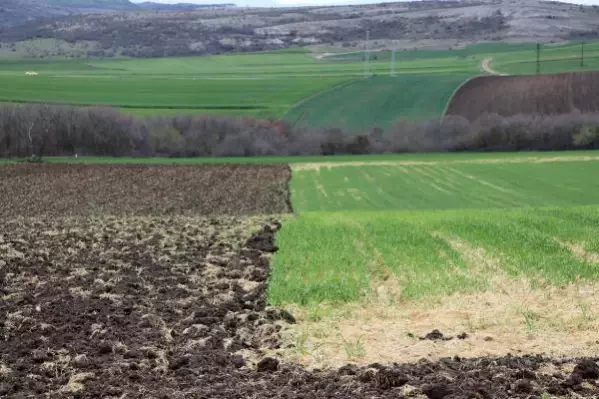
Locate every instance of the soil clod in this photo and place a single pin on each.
(435, 335)
(268, 364)
(587, 369)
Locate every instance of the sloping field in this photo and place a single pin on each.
(554, 59)
(470, 183)
(262, 84)
(270, 84)
(368, 286)
(428, 253)
(379, 100)
(500, 251)
(267, 97)
(133, 301)
(513, 95)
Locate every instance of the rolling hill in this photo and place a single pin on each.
(177, 30)
(150, 5)
(17, 12)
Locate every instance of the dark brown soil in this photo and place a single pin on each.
(69, 190)
(514, 95)
(152, 307)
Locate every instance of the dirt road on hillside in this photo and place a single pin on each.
(485, 64)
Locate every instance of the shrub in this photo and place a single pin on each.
(43, 130)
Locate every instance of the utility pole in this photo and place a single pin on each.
(538, 58)
(392, 62)
(366, 54)
(582, 54)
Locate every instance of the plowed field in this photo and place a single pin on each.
(70, 190)
(514, 95)
(116, 304)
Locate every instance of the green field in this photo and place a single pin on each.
(264, 96)
(554, 59)
(338, 257)
(469, 184)
(437, 226)
(379, 100)
(297, 85)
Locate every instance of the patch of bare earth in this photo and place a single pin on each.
(111, 307)
(510, 317)
(83, 190)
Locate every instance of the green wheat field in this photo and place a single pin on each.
(440, 225)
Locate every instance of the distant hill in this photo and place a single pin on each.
(16, 12)
(108, 28)
(149, 5)
(94, 4)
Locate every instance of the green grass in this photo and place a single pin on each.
(554, 59)
(291, 82)
(379, 100)
(298, 160)
(445, 185)
(268, 97)
(259, 84)
(334, 257)
(360, 225)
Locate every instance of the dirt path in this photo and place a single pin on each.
(320, 56)
(485, 64)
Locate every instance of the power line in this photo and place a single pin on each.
(538, 58)
(366, 54)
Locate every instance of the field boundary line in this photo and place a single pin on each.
(567, 158)
(484, 64)
(464, 83)
(320, 93)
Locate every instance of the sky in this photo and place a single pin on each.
(270, 3)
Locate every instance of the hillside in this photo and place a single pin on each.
(149, 5)
(16, 12)
(94, 4)
(554, 94)
(379, 101)
(405, 25)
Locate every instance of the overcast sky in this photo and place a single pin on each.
(270, 3)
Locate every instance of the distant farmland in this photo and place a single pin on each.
(512, 95)
(379, 100)
(316, 90)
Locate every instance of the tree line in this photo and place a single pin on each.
(49, 130)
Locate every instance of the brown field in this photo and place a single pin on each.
(125, 305)
(70, 190)
(512, 95)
